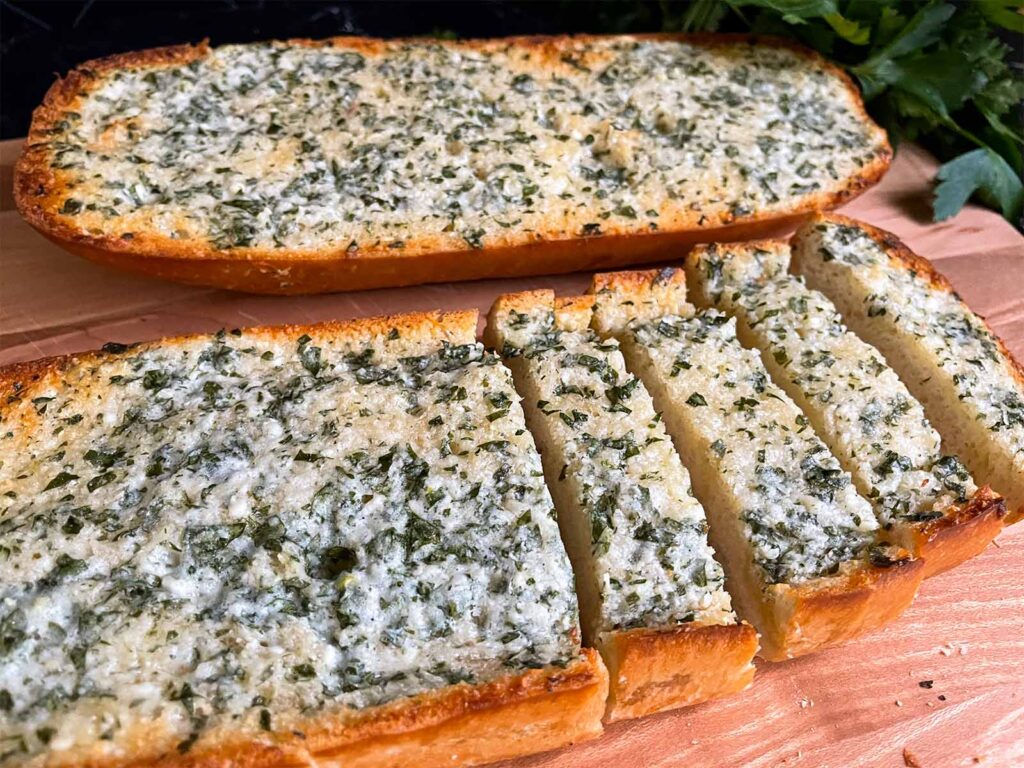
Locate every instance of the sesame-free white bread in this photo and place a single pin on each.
(652, 596)
(802, 557)
(968, 382)
(282, 546)
(352, 163)
(925, 501)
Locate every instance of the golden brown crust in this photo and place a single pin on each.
(459, 327)
(902, 257)
(959, 535)
(831, 610)
(262, 270)
(622, 297)
(519, 714)
(653, 670)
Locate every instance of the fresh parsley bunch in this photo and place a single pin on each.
(934, 72)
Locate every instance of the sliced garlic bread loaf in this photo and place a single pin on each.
(800, 547)
(652, 596)
(971, 387)
(352, 163)
(927, 502)
(289, 545)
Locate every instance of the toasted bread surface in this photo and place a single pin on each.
(803, 562)
(635, 535)
(969, 383)
(420, 153)
(854, 401)
(252, 547)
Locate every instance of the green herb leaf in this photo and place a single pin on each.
(981, 171)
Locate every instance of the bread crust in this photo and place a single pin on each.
(958, 535)
(38, 192)
(19, 380)
(515, 714)
(657, 669)
(525, 713)
(831, 610)
(902, 257)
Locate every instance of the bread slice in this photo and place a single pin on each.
(352, 163)
(968, 382)
(802, 556)
(652, 596)
(927, 502)
(327, 544)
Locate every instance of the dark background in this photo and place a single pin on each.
(43, 39)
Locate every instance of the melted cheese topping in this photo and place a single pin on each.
(423, 146)
(230, 529)
(857, 402)
(800, 512)
(648, 534)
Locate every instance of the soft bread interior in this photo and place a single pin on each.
(990, 459)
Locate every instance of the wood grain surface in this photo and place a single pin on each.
(942, 687)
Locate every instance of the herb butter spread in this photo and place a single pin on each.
(798, 510)
(224, 530)
(646, 533)
(420, 146)
(855, 401)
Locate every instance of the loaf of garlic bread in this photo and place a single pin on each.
(328, 544)
(652, 596)
(926, 502)
(353, 163)
(803, 559)
(971, 387)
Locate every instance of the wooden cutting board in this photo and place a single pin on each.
(942, 687)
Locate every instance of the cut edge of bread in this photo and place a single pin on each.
(902, 257)
(38, 193)
(651, 669)
(963, 531)
(792, 619)
(515, 714)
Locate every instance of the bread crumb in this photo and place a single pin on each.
(899, 703)
(910, 759)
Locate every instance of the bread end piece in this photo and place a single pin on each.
(1010, 481)
(621, 297)
(832, 610)
(652, 670)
